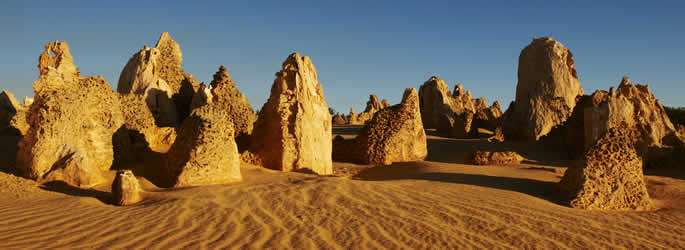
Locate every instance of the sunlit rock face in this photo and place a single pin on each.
(293, 130)
(546, 91)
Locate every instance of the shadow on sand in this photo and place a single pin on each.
(416, 171)
(62, 187)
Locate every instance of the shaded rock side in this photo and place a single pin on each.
(495, 158)
(140, 121)
(205, 152)
(72, 120)
(395, 134)
(609, 176)
(546, 91)
(125, 189)
(293, 130)
(12, 115)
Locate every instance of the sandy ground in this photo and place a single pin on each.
(438, 203)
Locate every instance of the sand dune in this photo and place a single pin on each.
(438, 203)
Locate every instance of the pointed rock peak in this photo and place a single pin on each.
(170, 51)
(496, 105)
(7, 98)
(351, 110)
(625, 82)
(385, 103)
(221, 77)
(373, 104)
(56, 55)
(302, 64)
(410, 96)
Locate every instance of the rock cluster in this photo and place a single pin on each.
(205, 152)
(609, 176)
(546, 91)
(495, 158)
(455, 114)
(72, 122)
(156, 74)
(293, 130)
(394, 134)
(339, 120)
(126, 189)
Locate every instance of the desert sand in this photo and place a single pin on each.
(437, 203)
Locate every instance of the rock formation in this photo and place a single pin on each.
(384, 103)
(225, 96)
(339, 120)
(125, 189)
(156, 73)
(455, 114)
(630, 106)
(72, 122)
(609, 176)
(12, 115)
(293, 130)
(205, 152)
(435, 101)
(395, 134)
(140, 121)
(546, 91)
(372, 106)
(495, 158)
(353, 119)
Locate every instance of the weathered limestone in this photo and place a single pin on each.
(435, 102)
(72, 121)
(546, 90)
(205, 152)
(372, 106)
(139, 120)
(156, 73)
(225, 96)
(339, 120)
(353, 119)
(630, 106)
(293, 130)
(609, 176)
(125, 189)
(495, 158)
(74, 169)
(395, 134)
(455, 114)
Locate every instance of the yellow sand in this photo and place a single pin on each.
(433, 204)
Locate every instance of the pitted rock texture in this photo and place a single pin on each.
(293, 130)
(205, 152)
(225, 96)
(609, 176)
(546, 91)
(72, 120)
(395, 134)
(495, 158)
(140, 121)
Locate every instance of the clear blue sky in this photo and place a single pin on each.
(358, 48)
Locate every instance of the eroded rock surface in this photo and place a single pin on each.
(546, 91)
(609, 176)
(395, 134)
(495, 158)
(293, 130)
(225, 96)
(156, 73)
(205, 152)
(72, 121)
(372, 106)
